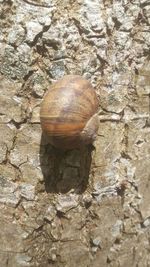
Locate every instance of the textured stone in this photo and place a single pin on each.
(6, 141)
(8, 91)
(27, 191)
(16, 35)
(35, 115)
(8, 194)
(87, 207)
(65, 203)
(50, 213)
(33, 29)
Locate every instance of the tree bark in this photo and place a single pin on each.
(87, 207)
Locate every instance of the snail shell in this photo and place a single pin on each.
(68, 112)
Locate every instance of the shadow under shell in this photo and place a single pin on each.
(64, 170)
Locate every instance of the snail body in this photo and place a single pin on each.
(69, 112)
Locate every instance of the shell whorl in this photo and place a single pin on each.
(67, 107)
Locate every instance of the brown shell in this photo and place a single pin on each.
(66, 108)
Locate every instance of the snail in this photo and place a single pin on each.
(68, 113)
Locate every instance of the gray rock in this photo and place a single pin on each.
(65, 203)
(8, 194)
(33, 29)
(16, 35)
(146, 222)
(50, 213)
(27, 191)
(96, 241)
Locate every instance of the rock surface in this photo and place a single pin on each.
(89, 208)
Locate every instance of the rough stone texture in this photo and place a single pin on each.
(76, 208)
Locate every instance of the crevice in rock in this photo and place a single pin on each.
(38, 36)
(36, 4)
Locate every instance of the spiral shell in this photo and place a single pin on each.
(65, 110)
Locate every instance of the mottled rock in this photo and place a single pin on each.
(146, 222)
(8, 194)
(6, 141)
(16, 35)
(27, 191)
(35, 115)
(33, 29)
(75, 208)
(117, 228)
(65, 203)
(8, 92)
(50, 213)
(96, 241)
